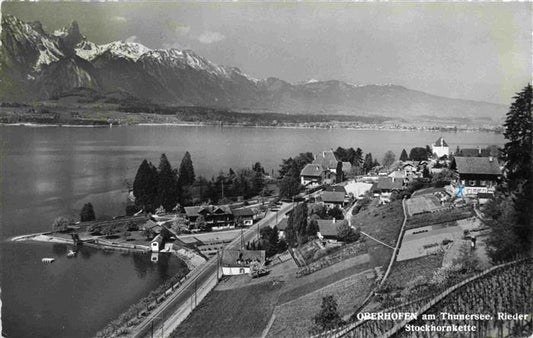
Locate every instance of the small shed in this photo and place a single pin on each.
(156, 243)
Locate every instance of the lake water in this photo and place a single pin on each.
(47, 171)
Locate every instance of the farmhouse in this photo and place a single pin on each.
(478, 174)
(313, 173)
(216, 217)
(332, 199)
(385, 187)
(440, 148)
(238, 262)
(327, 229)
(246, 216)
(473, 152)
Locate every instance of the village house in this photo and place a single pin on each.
(244, 216)
(440, 148)
(313, 173)
(473, 152)
(385, 187)
(478, 174)
(239, 262)
(282, 227)
(327, 229)
(332, 199)
(216, 217)
(327, 160)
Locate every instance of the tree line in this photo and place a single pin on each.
(170, 188)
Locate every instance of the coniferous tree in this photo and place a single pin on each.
(87, 213)
(145, 186)
(511, 208)
(297, 225)
(186, 172)
(339, 174)
(368, 164)
(167, 187)
(403, 156)
(328, 318)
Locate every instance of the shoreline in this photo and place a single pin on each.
(190, 258)
(183, 124)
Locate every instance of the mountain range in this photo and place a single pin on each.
(37, 65)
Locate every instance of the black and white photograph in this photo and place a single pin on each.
(243, 169)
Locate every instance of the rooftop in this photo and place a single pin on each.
(327, 159)
(242, 257)
(440, 142)
(477, 165)
(333, 196)
(312, 170)
(386, 183)
(328, 227)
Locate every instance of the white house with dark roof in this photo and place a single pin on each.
(478, 174)
(440, 148)
(238, 262)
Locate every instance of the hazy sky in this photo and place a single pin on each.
(479, 51)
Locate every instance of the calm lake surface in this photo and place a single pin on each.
(50, 171)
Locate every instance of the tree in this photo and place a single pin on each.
(186, 172)
(336, 213)
(346, 233)
(289, 186)
(328, 318)
(167, 187)
(297, 225)
(145, 186)
(419, 154)
(368, 163)
(403, 156)
(388, 159)
(87, 213)
(443, 178)
(339, 174)
(60, 224)
(258, 168)
(511, 208)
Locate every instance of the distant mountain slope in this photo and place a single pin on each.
(37, 65)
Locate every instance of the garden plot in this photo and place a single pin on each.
(427, 240)
(422, 204)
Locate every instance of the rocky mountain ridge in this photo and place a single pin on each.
(36, 65)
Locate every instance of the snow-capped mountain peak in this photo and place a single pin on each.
(128, 50)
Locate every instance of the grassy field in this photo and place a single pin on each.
(295, 318)
(242, 312)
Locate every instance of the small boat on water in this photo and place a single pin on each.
(48, 260)
(71, 253)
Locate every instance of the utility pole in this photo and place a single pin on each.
(218, 264)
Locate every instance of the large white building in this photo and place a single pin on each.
(440, 148)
